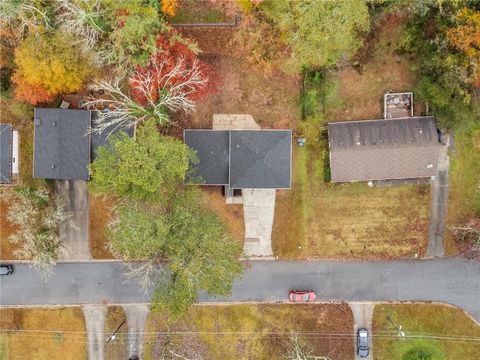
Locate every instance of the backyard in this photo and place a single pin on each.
(443, 330)
(253, 331)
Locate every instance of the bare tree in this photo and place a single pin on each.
(469, 231)
(37, 218)
(299, 351)
(80, 20)
(161, 90)
(22, 16)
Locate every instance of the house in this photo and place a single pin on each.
(9, 154)
(386, 149)
(64, 144)
(241, 159)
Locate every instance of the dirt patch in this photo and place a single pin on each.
(6, 229)
(264, 331)
(270, 97)
(114, 320)
(99, 213)
(380, 67)
(51, 334)
(230, 214)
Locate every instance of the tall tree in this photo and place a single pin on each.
(149, 167)
(320, 33)
(49, 64)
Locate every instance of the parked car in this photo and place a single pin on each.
(362, 343)
(302, 295)
(6, 269)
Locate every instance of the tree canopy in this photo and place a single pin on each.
(48, 66)
(146, 168)
(320, 33)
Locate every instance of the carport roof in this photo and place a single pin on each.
(241, 159)
(5, 153)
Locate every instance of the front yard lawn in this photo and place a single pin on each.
(438, 328)
(41, 334)
(321, 220)
(254, 331)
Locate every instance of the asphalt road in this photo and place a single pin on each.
(451, 280)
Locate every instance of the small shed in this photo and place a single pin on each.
(9, 154)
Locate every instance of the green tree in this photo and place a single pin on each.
(320, 33)
(149, 167)
(185, 240)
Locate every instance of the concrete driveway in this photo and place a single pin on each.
(363, 318)
(73, 194)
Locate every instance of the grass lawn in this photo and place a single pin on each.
(322, 220)
(464, 195)
(6, 229)
(53, 334)
(189, 12)
(428, 320)
(246, 331)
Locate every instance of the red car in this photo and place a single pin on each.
(302, 296)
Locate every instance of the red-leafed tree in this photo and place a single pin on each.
(174, 69)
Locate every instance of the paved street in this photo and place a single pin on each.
(451, 280)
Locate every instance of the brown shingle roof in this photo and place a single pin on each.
(383, 149)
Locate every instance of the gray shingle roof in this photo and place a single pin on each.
(383, 149)
(260, 159)
(5, 153)
(242, 159)
(62, 144)
(212, 147)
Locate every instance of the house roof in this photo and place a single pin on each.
(383, 149)
(102, 138)
(62, 144)
(241, 159)
(5, 153)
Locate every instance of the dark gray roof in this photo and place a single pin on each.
(101, 139)
(212, 147)
(62, 144)
(383, 149)
(5, 153)
(260, 159)
(242, 159)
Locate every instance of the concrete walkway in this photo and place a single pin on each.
(73, 194)
(363, 318)
(439, 206)
(95, 322)
(136, 319)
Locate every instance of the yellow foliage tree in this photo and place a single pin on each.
(169, 7)
(51, 63)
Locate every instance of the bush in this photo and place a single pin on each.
(424, 353)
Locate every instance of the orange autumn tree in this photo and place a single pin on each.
(168, 7)
(465, 37)
(48, 66)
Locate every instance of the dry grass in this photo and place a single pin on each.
(380, 68)
(464, 192)
(6, 229)
(232, 215)
(259, 331)
(317, 220)
(99, 214)
(429, 320)
(53, 334)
